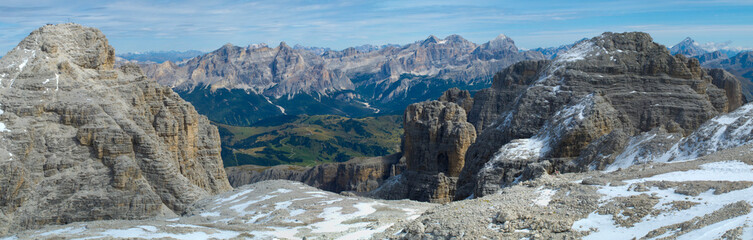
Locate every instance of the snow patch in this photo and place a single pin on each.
(577, 53)
(333, 218)
(141, 232)
(68, 230)
(633, 153)
(545, 196)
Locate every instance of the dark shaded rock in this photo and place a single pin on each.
(634, 84)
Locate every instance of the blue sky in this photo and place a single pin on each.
(140, 25)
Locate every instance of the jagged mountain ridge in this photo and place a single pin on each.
(157, 56)
(574, 113)
(373, 81)
(81, 140)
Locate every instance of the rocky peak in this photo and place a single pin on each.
(497, 48)
(84, 141)
(90, 51)
(687, 47)
(284, 45)
(456, 39)
(431, 39)
(501, 42)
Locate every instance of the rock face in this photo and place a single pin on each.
(82, 141)
(356, 175)
(579, 111)
(436, 138)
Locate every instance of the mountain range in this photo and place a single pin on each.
(352, 82)
(158, 56)
(613, 138)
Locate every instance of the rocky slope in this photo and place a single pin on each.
(266, 210)
(80, 140)
(356, 175)
(348, 82)
(708, 198)
(702, 199)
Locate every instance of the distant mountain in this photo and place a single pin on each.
(160, 56)
(691, 48)
(741, 65)
(285, 80)
(315, 50)
(687, 47)
(552, 52)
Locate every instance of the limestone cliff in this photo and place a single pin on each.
(83, 141)
(578, 111)
(437, 136)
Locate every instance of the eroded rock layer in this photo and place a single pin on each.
(578, 111)
(80, 140)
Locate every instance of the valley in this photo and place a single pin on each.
(309, 140)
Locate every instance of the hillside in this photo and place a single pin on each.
(309, 140)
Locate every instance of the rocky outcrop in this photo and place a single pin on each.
(578, 111)
(459, 97)
(731, 86)
(356, 175)
(436, 138)
(82, 141)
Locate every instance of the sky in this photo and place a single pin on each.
(161, 25)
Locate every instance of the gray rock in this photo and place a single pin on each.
(638, 87)
(83, 141)
(285, 71)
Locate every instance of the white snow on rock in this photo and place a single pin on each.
(577, 53)
(606, 228)
(152, 233)
(722, 132)
(264, 210)
(715, 171)
(545, 196)
(541, 144)
(2, 125)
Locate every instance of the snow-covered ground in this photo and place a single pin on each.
(265, 210)
(707, 203)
